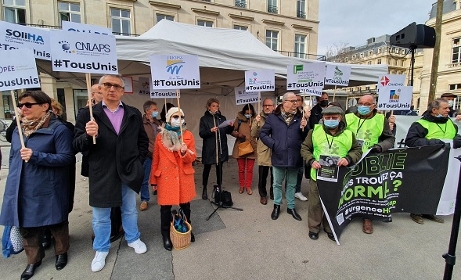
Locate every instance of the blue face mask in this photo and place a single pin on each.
(154, 114)
(247, 116)
(439, 116)
(363, 110)
(331, 123)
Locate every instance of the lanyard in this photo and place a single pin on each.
(360, 125)
(442, 128)
(332, 140)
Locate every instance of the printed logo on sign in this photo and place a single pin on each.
(65, 47)
(174, 65)
(384, 81)
(20, 36)
(298, 68)
(338, 73)
(253, 80)
(394, 95)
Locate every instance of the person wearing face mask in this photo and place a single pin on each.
(434, 128)
(329, 140)
(151, 126)
(316, 111)
(372, 131)
(242, 131)
(172, 172)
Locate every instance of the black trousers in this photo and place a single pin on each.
(206, 174)
(263, 171)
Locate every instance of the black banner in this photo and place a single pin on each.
(401, 180)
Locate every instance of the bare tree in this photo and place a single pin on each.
(339, 52)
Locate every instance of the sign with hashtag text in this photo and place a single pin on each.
(243, 97)
(14, 36)
(306, 75)
(311, 91)
(18, 70)
(175, 71)
(83, 52)
(337, 74)
(395, 98)
(259, 80)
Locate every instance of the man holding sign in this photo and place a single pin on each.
(115, 164)
(372, 131)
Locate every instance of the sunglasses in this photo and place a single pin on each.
(177, 117)
(110, 85)
(27, 104)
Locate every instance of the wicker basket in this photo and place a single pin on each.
(180, 240)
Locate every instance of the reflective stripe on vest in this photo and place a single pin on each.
(438, 131)
(341, 144)
(367, 130)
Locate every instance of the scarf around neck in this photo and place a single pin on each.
(30, 126)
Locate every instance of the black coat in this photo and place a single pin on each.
(316, 115)
(209, 138)
(114, 159)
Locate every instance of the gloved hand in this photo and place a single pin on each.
(457, 142)
(376, 149)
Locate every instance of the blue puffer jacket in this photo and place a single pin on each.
(284, 140)
(37, 191)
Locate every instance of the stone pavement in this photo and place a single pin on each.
(248, 245)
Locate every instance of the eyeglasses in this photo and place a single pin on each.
(110, 85)
(27, 104)
(265, 105)
(177, 117)
(292, 101)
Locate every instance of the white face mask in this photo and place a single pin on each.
(450, 103)
(176, 122)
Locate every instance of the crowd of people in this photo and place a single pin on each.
(126, 153)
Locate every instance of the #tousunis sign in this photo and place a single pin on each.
(259, 80)
(306, 75)
(18, 70)
(174, 71)
(14, 36)
(337, 74)
(83, 53)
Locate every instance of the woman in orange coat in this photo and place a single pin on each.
(172, 172)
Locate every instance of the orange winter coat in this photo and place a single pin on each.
(172, 173)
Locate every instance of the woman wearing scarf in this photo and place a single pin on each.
(172, 172)
(37, 188)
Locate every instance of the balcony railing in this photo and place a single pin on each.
(454, 65)
(272, 9)
(240, 4)
(300, 14)
(304, 55)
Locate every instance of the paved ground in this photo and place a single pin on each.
(249, 245)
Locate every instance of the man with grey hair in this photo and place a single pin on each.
(283, 133)
(434, 128)
(115, 164)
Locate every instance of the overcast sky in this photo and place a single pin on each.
(354, 21)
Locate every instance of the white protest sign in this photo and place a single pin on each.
(391, 81)
(164, 93)
(244, 97)
(174, 71)
(145, 88)
(18, 70)
(85, 28)
(337, 74)
(395, 98)
(311, 91)
(13, 36)
(260, 80)
(306, 75)
(83, 53)
(128, 82)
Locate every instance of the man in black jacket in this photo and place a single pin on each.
(316, 111)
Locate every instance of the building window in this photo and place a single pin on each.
(69, 12)
(272, 7)
(121, 21)
(301, 9)
(455, 86)
(205, 23)
(272, 39)
(240, 27)
(456, 51)
(379, 60)
(167, 17)
(369, 62)
(300, 46)
(14, 11)
(240, 3)
(379, 50)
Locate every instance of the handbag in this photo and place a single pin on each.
(11, 241)
(245, 148)
(180, 230)
(222, 197)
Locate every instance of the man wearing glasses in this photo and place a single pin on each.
(283, 133)
(115, 164)
(373, 132)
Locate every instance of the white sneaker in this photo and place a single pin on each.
(138, 246)
(300, 196)
(99, 261)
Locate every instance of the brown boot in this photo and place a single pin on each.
(367, 226)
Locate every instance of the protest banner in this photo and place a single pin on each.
(337, 74)
(175, 71)
(18, 71)
(85, 28)
(311, 91)
(399, 180)
(14, 36)
(243, 97)
(395, 98)
(258, 80)
(391, 81)
(306, 75)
